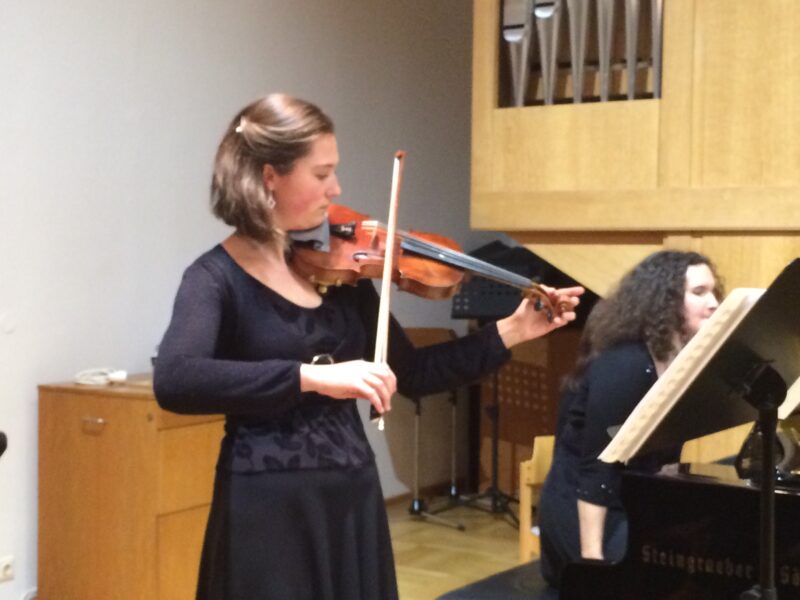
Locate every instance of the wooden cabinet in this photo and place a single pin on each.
(124, 492)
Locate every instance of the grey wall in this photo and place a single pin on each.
(110, 113)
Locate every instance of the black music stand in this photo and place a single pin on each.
(749, 372)
(498, 501)
(419, 507)
(3, 443)
(485, 300)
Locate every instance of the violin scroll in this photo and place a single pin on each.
(548, 300)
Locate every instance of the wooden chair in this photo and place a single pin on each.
(531, 478)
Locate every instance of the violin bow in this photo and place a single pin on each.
(382, 332)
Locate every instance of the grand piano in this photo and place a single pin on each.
(693, 535)
(696, 535)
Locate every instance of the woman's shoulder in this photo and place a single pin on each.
(216, 255)
(214, 266)
(216, 259)
(623, 356)
(624, 371)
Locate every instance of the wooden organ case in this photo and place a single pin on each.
(711, 165)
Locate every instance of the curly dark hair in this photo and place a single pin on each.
(646, 306)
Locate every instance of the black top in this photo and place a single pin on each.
(614, 383)
(235, 346)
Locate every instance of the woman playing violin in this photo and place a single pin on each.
(297, 511)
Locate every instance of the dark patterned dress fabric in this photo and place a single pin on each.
(285, 521)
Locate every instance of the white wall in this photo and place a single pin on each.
(110, 113)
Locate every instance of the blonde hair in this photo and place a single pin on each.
(276, 130)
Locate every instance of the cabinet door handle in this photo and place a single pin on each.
(93, 425)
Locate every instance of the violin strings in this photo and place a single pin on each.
(458, 259)
(469, 263)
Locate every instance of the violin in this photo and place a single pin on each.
(428, 265)
(425, 264)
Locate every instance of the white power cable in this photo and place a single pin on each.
(101, 376)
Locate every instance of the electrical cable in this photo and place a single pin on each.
(101, 376)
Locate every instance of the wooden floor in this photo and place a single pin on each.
(432, 559)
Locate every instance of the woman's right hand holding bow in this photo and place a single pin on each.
(372, 381)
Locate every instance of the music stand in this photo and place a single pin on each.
(485, 300)
(499, 501)
(743, 360)
(419, 508)
(420, 337)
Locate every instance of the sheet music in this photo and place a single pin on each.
(791, 402)
(669, 388)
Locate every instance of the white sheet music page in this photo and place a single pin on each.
(791, 402)
(689, 363)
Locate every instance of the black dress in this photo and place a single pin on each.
(298, 511)
(610, 389)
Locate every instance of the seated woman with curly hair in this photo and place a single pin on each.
(629, 340)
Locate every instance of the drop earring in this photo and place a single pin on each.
(270, 200)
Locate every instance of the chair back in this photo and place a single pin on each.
(532, 474)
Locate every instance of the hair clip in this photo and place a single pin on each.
(240, 126)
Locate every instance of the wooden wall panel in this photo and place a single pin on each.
(599, 262)
(675, 137)
(745, 88)
(718, 152)
(597, 265)
(664, 210)
(750, 261)
(486, 25)
(600, 146)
